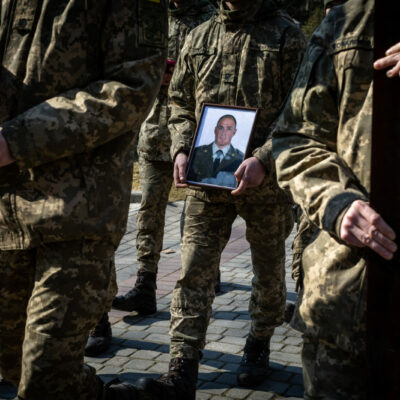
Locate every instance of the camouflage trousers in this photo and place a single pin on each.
(207, 228)
(50, 298)
(332, 374)
(156, 180)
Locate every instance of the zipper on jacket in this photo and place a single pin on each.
(9, 27)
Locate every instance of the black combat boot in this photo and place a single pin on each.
(99, 338)
(117, 390)
(289, 311)
(142, 298)
(253, 367)
(178, 384)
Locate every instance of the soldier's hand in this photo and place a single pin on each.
(392, 59)
(362, 226)
(250, 174)
(179, 170)
(5, 156)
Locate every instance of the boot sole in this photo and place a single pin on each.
(139, 311)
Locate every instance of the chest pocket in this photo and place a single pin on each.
(207, 68)
(153, 23)
(261, 62)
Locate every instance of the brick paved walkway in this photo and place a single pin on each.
(140, 345)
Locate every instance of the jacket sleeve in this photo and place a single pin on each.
(182, 103)
(304, 145)
(83, 118)
(292, 50)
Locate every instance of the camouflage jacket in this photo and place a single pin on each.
(322, 144)
(244, 58)
(154, 138)
(76, 78)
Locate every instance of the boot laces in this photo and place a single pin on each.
(255, 352)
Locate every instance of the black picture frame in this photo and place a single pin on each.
(213, 133)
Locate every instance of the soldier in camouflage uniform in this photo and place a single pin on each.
(322, 145)
(156, 167)
(305, 230)
(76, 78)
(245, 55)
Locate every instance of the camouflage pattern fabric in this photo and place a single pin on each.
(218, 62)
(331, 373)
(76, 78)
(244, 58)
(207, 229)
(154, 137)
(68, 104)
(304, 235)
(322, 144)
(155, 180)
(155, 165)
(50, 297)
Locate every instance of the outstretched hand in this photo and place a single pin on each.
(392, 59)
(362, 226)
(179, 170)
(250, 174)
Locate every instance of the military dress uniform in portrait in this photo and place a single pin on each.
(77, 78)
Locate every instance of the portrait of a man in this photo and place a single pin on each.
(215, 163)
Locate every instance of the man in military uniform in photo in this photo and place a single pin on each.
(216, 163)
(322, 146)
(246, 55)
(77, 78)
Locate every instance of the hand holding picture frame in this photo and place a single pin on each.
(220, 145)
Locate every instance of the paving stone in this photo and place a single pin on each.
(146, 354)
(229, 379)
(208, 376)
(285, 357)
(135, 335)
(238, 393)
(231, 358)
(280, 376)
(158, 338)
(243, 333)
(258, 395)
(295, 341)
(292, 349)
(229, 324)
(211, 364)
(160, 367)
(139, 364)
(224, 347)
(202, 396)
(213, 388)
(118, 361)
(233, 340)
(125, 352)
(295, 391)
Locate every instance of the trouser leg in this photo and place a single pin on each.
(16, 282)
(155, 180)
(329, 373)
(70, 293)
(268, 225)
(206, 231)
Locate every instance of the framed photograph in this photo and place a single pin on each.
(220, 145)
